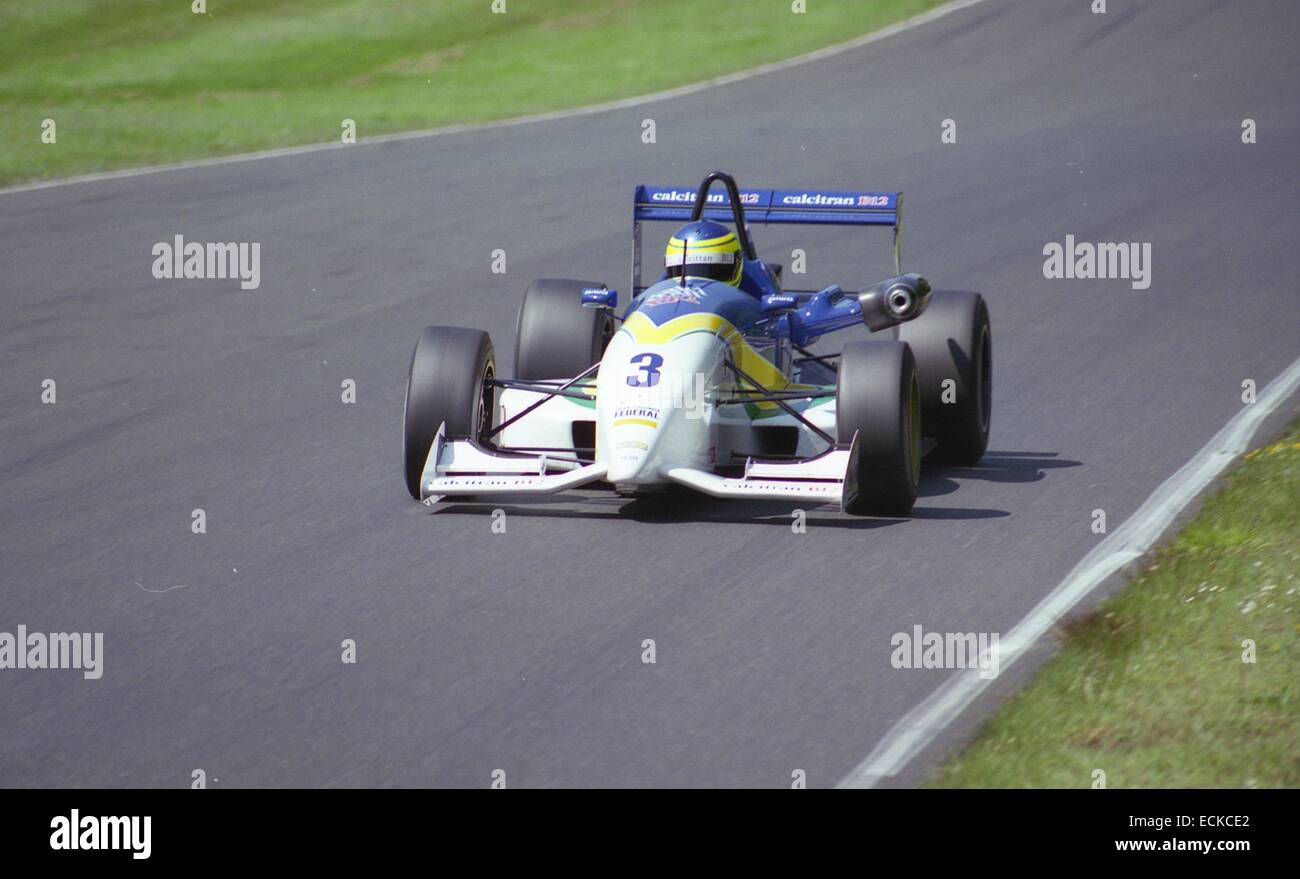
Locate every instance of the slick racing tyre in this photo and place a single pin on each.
(452, 369)
(878, 399)
(954, 364)
(556, 337)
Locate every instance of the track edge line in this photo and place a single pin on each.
(917, 729)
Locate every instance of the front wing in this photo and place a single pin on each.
(463, 467)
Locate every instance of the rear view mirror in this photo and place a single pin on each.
(774, 302)
(599, 297)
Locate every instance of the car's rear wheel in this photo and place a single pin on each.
(878, 400)
(555, 336)
(953, 345)
(450, 382)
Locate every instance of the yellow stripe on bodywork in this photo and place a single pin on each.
(646, 332)
(640, 422)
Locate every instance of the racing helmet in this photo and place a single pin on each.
(704, 249)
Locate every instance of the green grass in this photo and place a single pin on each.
(137, 82)
(1152, 688)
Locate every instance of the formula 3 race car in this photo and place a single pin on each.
(700, 381)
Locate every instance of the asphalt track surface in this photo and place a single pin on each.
(522, 651)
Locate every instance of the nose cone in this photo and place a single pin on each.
(629, 465)
(650, 405)
(633, 431)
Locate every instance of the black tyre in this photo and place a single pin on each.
(877, 398)
(450, 382)
(555, 337)
(953, 346)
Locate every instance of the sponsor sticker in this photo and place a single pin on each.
(820, 199)
(679, 196)
(673, 295)
(675, 258)
(636, 412)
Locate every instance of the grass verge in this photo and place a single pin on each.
(140, 82)
(1152, 689)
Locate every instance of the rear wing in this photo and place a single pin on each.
(792, 206)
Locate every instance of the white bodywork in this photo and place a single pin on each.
(655, 404)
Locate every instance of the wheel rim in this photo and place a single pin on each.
(606, 336)
(914, 430)
(984, 375)
(486, 404)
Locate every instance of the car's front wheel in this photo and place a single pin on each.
(878, 400)
(450, 382)
(556, 337)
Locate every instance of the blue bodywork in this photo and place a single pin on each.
(668, 300)
(801, 318)
(761, 305)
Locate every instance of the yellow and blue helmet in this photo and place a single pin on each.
(704, 249)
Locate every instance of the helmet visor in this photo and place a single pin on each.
(714, 266)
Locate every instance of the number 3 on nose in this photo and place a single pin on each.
(649, 370)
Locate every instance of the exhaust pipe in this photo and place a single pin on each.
(894, 301)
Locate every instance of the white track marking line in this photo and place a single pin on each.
(622, 104)
(919, 727)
